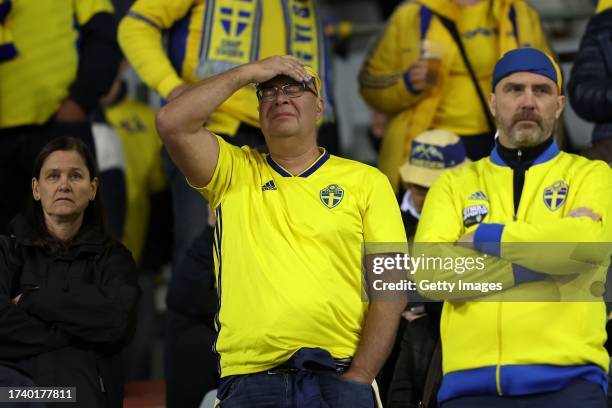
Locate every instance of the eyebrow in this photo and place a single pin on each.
(59, 169)
(544, 85)
(522, 85)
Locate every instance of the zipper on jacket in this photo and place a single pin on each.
(101, 384)
(499, 351)
(518, 183)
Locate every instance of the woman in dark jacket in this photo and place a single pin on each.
(67, 290)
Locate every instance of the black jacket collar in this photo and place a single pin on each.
(523, 158)
(87, 240)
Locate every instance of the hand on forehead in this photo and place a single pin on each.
(314, 82)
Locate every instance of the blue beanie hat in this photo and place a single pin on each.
(527, 60)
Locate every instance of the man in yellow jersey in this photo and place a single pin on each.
(205, 38)
(418, 74)
(527, 193)
(56, 61)
(288, 243)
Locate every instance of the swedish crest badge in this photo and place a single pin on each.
(555, 195)
(331, 195)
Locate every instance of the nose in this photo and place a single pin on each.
(528, 100)
(63, 184)
(281, 97)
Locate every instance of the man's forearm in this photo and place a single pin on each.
(377, 340)
(191, 109)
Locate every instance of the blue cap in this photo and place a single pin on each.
(527, 60)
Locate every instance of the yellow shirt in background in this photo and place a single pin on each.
(34, 84)
(134, 122)
(460, 109)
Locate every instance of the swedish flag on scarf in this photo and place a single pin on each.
(7, 48)
(232, 33)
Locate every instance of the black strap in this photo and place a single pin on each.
(433, 379)
(452, 29)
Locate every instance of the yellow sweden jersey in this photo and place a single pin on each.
(34, 84)
(288, 254)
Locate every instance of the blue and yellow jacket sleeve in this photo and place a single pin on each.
(140, 38)
(594, 183)
(383, 79)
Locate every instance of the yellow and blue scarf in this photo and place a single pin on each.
(232, 33)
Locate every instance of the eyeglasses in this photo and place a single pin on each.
(293, 90)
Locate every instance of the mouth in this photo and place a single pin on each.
(527, 119)
(282, 115)
(527, 122)
(63, 200)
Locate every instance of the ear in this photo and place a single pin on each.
(320, 106)
(492, 104)
(560, 106)
(93, 189)
(35, 192)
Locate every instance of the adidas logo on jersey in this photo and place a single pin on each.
(269, 186)
(479, 195)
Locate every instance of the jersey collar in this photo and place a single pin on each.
(547, 155)
(323, 157)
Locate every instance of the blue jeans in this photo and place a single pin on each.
(277, 390)
(578, 394)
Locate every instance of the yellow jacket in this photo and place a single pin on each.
(504, 344)
(381, 78)
(34, 84)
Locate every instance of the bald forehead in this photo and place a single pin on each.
(526, 79)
